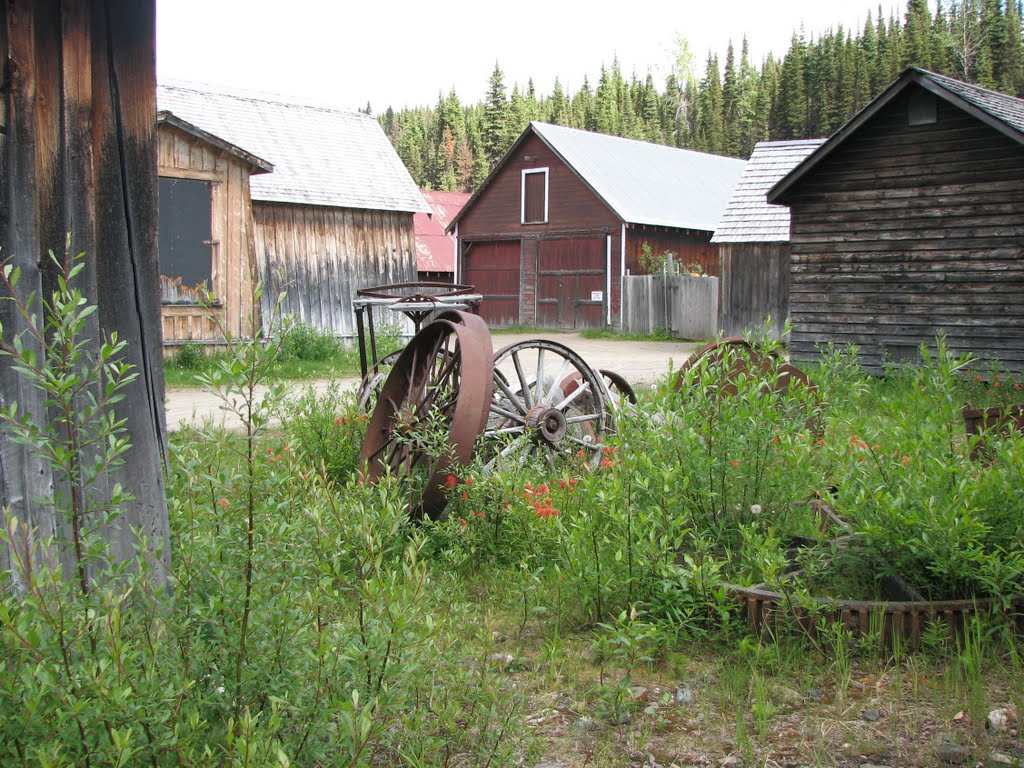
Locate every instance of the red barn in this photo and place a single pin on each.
(435, 247)
(566, 213)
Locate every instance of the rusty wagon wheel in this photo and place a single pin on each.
(371, 383)
(532, 417)
(737, 359)
(430, 410)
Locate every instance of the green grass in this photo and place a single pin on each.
(611, 333)
(343, 364)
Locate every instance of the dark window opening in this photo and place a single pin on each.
(535, 208)
(185, 243)
(921, 108)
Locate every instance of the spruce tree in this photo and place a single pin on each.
(710, 129)
(495, 129)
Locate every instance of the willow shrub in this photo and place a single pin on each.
(919, 506)
(300, 626)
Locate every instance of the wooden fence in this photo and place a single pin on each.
(685, 306)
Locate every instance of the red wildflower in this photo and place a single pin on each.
(906, 461)
(606, 463)
(734, 463)
(451, 481)
(572, 482)
(462, 522)
(562, 484)
(821, 441)
(465, 495)
(223, 502)
(581, 453)
(776, 439)
(543, 488)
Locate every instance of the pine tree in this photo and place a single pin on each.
(792, 104)
(495, 131)
(731, 106)
(710, 129)
(558, 106)
(917, 34)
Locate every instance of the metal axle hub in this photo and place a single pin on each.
(546, 423)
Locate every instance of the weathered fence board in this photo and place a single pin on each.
(685, 306)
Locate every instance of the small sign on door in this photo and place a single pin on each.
(597, 295)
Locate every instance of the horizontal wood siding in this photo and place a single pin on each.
(181, 155)
(687, 247)
(321, 256)
(910, 231)
(754, 286)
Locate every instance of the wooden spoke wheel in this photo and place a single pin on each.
(532, 417)
(618, 394)
(430, 410)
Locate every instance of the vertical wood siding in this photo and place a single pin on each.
(321, 256)
(181, 155)
(76, 159)
(754, 286)
(908, 231)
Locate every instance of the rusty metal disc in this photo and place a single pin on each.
(532, 418)
(430, 410)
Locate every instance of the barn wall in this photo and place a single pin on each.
(908, 231)
(181, 155)
(754, 286)
(574, 212)
(321, 256)
(688, 247)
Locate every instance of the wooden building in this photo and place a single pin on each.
(566, 213)
(435, 246)
(909, 222)
(333, 214)
(753, 243)
(207, 234)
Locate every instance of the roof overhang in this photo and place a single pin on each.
(258, 164)
(911, 76)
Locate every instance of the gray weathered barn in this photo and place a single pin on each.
(908, 222)
(753, 242)
(334, 214)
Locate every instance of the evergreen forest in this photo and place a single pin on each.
(723, 107)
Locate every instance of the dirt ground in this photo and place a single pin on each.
(642, 363)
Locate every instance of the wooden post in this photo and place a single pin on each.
(79, 156)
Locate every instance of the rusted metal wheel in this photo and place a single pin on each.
(369, 387)
(737, 358)
(430, 410)
(532, 417)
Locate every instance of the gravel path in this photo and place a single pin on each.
(642, 363)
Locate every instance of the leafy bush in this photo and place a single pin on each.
(189, 357)
(303, 341)
(326, 430)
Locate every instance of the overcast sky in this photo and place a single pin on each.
(398, 53)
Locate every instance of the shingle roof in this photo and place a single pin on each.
(646, 183)
(749, 218)
(1001, 112)
(320, 156)
(435, 249)
(1001, 106)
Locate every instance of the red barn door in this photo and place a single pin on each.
(493, 269)
(572, 283)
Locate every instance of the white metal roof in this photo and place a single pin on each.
(648, 183)
(749, 218)
(320, 156)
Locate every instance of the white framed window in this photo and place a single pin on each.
(533, 206)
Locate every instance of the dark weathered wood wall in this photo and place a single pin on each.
(79, 155)
(181, 155)
(754, 287)
(321, 256)
(909, 231)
